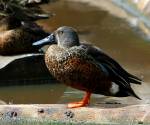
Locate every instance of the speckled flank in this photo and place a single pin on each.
(76, 69)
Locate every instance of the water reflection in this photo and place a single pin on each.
(32, 94)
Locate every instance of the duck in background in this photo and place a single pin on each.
(85, 67)
(8, 23)
(16, 37)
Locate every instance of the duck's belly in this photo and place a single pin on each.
(79, 73)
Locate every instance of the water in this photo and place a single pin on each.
(100, 28)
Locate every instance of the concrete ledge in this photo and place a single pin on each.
(59, 114)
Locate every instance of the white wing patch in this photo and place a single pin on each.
(114, 88)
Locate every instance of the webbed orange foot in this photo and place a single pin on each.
(85, 101)
(77, 104)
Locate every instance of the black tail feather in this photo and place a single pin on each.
(132, 93)
(122, 72)
(132, 76)
(124, 92)
(136, 81)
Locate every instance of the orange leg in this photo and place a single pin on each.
(85, 101)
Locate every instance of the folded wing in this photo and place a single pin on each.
(115, 72)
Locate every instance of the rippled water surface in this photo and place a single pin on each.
(103, 30)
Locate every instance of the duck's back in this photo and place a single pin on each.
(76, 69)
(18, 41)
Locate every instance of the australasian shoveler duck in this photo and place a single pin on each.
(85, 67)
(8, 23)
(16, 37)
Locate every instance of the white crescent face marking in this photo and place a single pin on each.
(114, 88)
(58, 39)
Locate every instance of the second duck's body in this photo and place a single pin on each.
(17, 37)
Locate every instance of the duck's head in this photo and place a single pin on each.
(64, 37)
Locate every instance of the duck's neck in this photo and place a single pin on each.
(54, 49)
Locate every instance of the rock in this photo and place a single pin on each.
(59, 114)
(24, 69)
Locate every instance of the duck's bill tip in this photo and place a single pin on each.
(37, 43)
(48, 40)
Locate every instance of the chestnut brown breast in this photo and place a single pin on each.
(76, 69)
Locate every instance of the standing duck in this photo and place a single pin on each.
(16, 37)
(85, 67)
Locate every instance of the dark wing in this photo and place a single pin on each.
(6, 60)
(110, 64)
(24, 69)
(115, 72)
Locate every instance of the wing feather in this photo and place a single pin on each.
(115, 70)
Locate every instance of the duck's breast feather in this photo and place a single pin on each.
(76, 69)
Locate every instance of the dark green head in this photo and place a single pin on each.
(64, 37)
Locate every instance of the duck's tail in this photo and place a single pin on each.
(134, 79)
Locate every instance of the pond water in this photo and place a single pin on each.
(98, 27)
